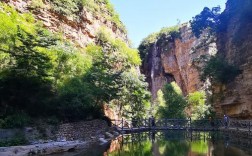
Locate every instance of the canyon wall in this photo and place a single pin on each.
(234, 43)
(177, 59)
(81, 30)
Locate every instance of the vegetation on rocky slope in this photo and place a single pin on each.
(217, 69)
(170, 33)
(73, 8)
(43, 75)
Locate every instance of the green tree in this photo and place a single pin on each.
(197, 105)
(219, 70)
(175, 103)
(133, 95)
(30, 74)
(208, 19)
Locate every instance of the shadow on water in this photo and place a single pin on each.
(173, 143)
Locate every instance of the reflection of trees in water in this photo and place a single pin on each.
(134, 149)
(180, 143)
(173, 148)
(155, 143)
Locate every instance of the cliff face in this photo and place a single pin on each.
(177, 60)
(235, 45)
(81, 31)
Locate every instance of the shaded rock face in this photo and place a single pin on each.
(177, 60)
(81, 31)
(235, 45)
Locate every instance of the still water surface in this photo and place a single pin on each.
(172, 143)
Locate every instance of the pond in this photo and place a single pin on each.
(173, 143)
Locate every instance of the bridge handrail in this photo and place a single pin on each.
(185, 123)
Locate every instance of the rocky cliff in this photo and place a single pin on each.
(234, 43)
(177, 59)
(81, 30)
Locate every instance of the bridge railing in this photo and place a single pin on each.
(245, 125)
(130, 124)
(172, 123)
(239, 124)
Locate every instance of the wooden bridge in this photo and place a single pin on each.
(130, 126)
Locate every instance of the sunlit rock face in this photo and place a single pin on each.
(81, 31)
(235, 44)
(177, 60)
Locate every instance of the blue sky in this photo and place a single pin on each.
(143, 17)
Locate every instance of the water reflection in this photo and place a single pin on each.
(174, 143)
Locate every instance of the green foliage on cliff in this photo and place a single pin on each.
(219, 70)
(175, 103)
(73, 8)
(167, 33)
(208, 19)
(66, 7)
(43, 75)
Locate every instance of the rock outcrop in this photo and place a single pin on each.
(81, 31)
(235, 45)
(177, 60)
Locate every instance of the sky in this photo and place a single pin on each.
(143, 17)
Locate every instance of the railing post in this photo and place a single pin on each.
(122, 124)
(190, 123)
(166, 124)
(249, 126)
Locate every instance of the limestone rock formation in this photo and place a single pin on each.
(235, 45)
(177, 60)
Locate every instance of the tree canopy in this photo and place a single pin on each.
(43, 75)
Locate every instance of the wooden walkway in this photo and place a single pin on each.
(234, 126)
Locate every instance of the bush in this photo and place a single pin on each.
(96, 7)
(18, 120)
(18, 140)
(65, 7)
(37, 4)
(219, 71)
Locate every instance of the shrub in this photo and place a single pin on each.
(19, 139)
(18, 120)
(65, 7)
(219, 70)
(96, 7)
(37, 4)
